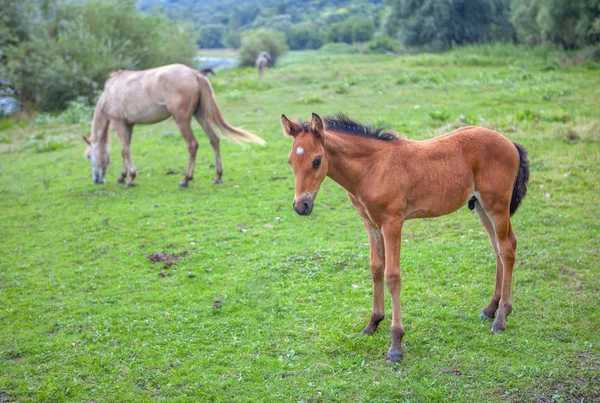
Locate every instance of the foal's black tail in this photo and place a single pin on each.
(520, 189)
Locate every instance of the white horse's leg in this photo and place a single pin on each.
(214, 142)
(125, 130)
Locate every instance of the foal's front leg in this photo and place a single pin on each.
(391, 230)
(377, 263)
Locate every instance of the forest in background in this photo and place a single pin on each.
(56, 52)
(433, 24)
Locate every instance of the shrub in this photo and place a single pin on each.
(78, 111)
(255, 42)
(381, 44)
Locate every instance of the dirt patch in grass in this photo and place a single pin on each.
(560, 392)
(167, 259)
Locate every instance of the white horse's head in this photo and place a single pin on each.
(98, 155)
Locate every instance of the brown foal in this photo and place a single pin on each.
(390, 180)
(151, 96)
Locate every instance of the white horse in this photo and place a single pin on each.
(262, 61)
(151, 96)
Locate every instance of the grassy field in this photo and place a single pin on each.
(265, 305)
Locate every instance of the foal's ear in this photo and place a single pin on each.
(290, 128)
(85, 139)
(316, 124)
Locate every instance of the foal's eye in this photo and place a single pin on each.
(317, 162)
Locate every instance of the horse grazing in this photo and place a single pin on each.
(206, 72)
(151, 96)
(390, 180)
(262, 61)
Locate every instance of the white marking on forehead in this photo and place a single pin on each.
(299, 150)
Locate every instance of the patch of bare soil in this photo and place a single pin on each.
(167, 259)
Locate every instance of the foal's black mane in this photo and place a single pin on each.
(342, 123)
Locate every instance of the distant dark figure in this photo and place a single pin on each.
(262, 61)
(206, 72)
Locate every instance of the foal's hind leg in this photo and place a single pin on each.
(506, 244)
(214, 142)
(490, 311)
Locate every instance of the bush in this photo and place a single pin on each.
(382, 44)
(78, 111)
(255, 42)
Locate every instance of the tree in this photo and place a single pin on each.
(441, 24)
(362, 29)
(569, 23)
(76, 45)
(340, 32)
(305, 36)
(211, 36)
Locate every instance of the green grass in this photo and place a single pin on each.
(268, 305)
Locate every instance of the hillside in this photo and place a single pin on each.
(226, 11)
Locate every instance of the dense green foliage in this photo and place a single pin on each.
(570, 23)
(442, 24)
(267, 306)
(65, 50)
(258, 41)
(212, 36)
(305, 36)
(306, 24)
(432, 24)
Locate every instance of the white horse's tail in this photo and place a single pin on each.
(210, 113)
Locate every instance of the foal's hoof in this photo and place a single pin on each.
(182, 185)
(485, 316)
(368, 331)
(121, 180)
(130, 185)
(217, 181)
(497, 328)
(394, 355)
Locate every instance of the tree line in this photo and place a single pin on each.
(428, 24)
(55, 51)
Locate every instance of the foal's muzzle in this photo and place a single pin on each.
(304, 206)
